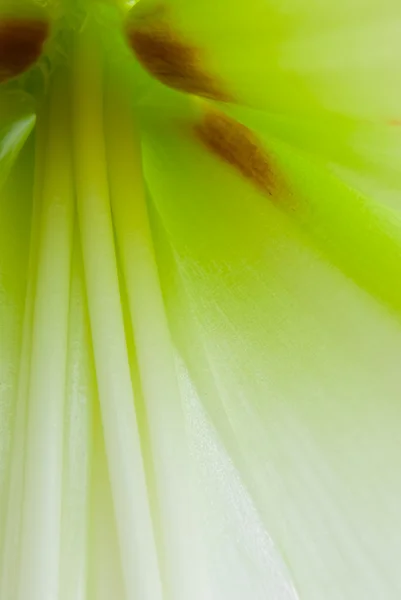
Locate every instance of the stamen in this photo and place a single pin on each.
(40, 539)
(179, 523)
(116, 396)
(9, 574)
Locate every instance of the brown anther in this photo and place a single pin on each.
(239, 147)
(21, 43)
(171, 60)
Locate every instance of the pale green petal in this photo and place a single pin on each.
(199, 309)
(296, 365)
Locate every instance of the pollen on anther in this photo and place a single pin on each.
(21, 44)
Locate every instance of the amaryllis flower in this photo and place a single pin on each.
(200, 300)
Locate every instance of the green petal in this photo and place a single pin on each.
(300, 57)
(296, 365)
(315, 185)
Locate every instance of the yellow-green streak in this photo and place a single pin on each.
(40, 540)
(130, 496)
(182, 551)
(78, 442)
(11, 547)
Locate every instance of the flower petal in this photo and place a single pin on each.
(296, 365)
(296, 57)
